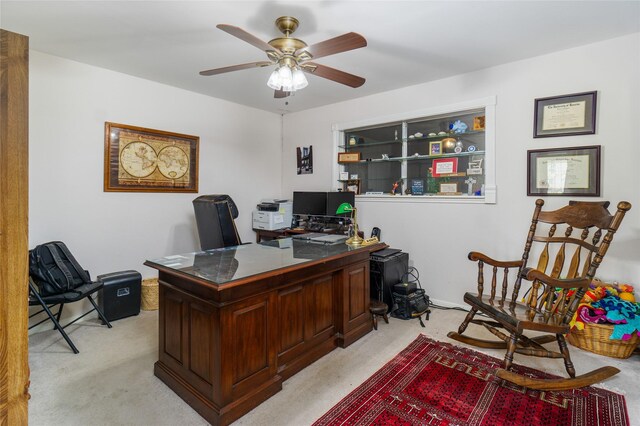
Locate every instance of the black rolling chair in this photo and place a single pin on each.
(214, 217)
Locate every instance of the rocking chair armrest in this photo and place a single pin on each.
(533, 274)
(477, 256)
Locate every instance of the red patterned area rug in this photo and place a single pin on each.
(435, 383)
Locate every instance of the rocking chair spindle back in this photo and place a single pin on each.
(572, 242)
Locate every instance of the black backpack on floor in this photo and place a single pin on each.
(55, 270)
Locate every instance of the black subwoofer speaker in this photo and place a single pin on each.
(120, 296)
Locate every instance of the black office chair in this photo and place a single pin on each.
(66, 269)
(214, 218)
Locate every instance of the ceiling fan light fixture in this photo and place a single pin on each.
(274, 80)
(299, 79)
(286, 78)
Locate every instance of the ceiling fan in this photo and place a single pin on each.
(292, 57)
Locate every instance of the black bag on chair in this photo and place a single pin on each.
(55, 270)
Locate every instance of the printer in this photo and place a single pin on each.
(273, 214)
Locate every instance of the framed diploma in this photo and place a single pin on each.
(564, 171)
(565, 115)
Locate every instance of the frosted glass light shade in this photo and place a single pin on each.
(299, 79)
(286, 78)
(274, 80)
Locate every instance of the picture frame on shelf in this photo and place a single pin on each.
(137, 159)
(417, 186)
(444, 166)
(573, 171)
(348, 157)
(448, 188)
(353, 186)
(435, 148)
(478, 123)
(566, 115)
(344, 175)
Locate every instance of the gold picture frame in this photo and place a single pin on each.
(435, 148)
(137, 159)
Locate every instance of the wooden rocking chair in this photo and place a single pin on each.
(550, 301)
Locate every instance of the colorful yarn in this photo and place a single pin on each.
(601, 305)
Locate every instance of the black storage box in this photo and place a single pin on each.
(120, 296)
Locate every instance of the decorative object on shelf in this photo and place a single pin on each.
(395, 135)
(475, 167)
(137, 159)
(448, 145)
(565, 115)
(418, 135)
(433, 135)
(564, 171)
(470, 181)
(397, 186)
(444, 166)
(478, 122)
(411, 137)
(459, 147)
(449, 188)
(348, 157)
(344, 175)
(352, 140)
(353, 185)
(459, 126)
(442, 133)
(417, 187)
(304, 159)
(353, 176)
(417, 154)
(435, 148)
(471, 148)
(385, 156)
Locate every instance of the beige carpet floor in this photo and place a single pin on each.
(111, 381)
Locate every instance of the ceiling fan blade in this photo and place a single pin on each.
(245, 36)
(333, 74)
(280, 94)
(335, 45)
(236, 68)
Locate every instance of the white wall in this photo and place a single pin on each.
(240, 151)
(439, 236)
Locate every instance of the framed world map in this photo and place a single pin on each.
(146, 160)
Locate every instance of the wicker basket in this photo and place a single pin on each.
(149, 294)
(595, 338)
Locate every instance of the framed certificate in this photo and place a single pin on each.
(564, 171)
(444, 166)
(565, 115)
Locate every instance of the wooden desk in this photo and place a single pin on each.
(236, 322)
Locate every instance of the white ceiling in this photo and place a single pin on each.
(409, 42)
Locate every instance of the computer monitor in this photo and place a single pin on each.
(309, 203)
(334, 199)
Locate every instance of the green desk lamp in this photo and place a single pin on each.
(356, 240)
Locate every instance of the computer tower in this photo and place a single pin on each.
(385, 272)
(120, 295)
